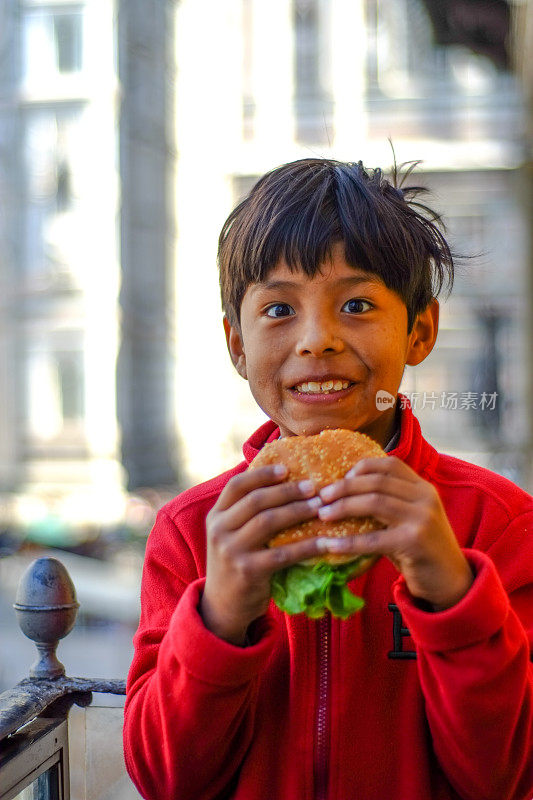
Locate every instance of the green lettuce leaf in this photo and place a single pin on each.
(317, 588)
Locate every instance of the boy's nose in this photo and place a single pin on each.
(317, 338)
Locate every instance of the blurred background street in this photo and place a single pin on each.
(128, 131)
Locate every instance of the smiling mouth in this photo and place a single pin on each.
(325, 387)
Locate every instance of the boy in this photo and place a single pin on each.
(329, 276)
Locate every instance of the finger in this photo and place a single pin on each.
(243, 483)
(387, 541)
(271, 559)
(384, 508)
(265, 525)
(267, 497)
(389, 466)
(373, 482)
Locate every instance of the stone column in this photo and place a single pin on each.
(147, 156)
(522, 54)
(11, 189)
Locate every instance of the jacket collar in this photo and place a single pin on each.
(411, 447)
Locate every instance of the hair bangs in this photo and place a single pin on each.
(297, 212)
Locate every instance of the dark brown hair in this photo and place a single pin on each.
(299, 210)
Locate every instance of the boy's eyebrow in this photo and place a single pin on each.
(348, 281)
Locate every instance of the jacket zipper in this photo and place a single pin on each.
(322, 721)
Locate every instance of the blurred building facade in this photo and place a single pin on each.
(111, 342)
(85, 256)
(337, 78)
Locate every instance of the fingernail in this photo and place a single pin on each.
(327, 492)
(328, 544)
(336, 544)
(325, 511)
(280, 469)
(354, 470)
(314, 502)
(306, 487)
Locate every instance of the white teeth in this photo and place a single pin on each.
(312, 387)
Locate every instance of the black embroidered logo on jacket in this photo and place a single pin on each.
(399, 633)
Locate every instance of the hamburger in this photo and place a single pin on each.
(319, 584)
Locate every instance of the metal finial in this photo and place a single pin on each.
(46, 609)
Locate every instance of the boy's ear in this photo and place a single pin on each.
(424, 334)
(235, 347)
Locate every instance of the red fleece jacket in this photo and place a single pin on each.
(354, 710)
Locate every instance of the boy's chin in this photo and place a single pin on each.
(312, 428)
(380, 428)
(313, 423)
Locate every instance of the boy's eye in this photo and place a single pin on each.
(356, 306)
(279, 310)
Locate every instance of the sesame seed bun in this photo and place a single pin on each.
(323, 458)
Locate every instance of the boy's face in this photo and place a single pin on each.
(343, 331)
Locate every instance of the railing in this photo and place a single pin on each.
(37, 730)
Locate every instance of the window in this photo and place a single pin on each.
(313, 100)
(55, 389)
(53, 42)
(68, 41)
(70, 379)
(52, 169)
(402, 57)
(242, 186)
(307, 32)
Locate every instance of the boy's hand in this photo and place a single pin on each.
(252, 508)
(418, 538)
